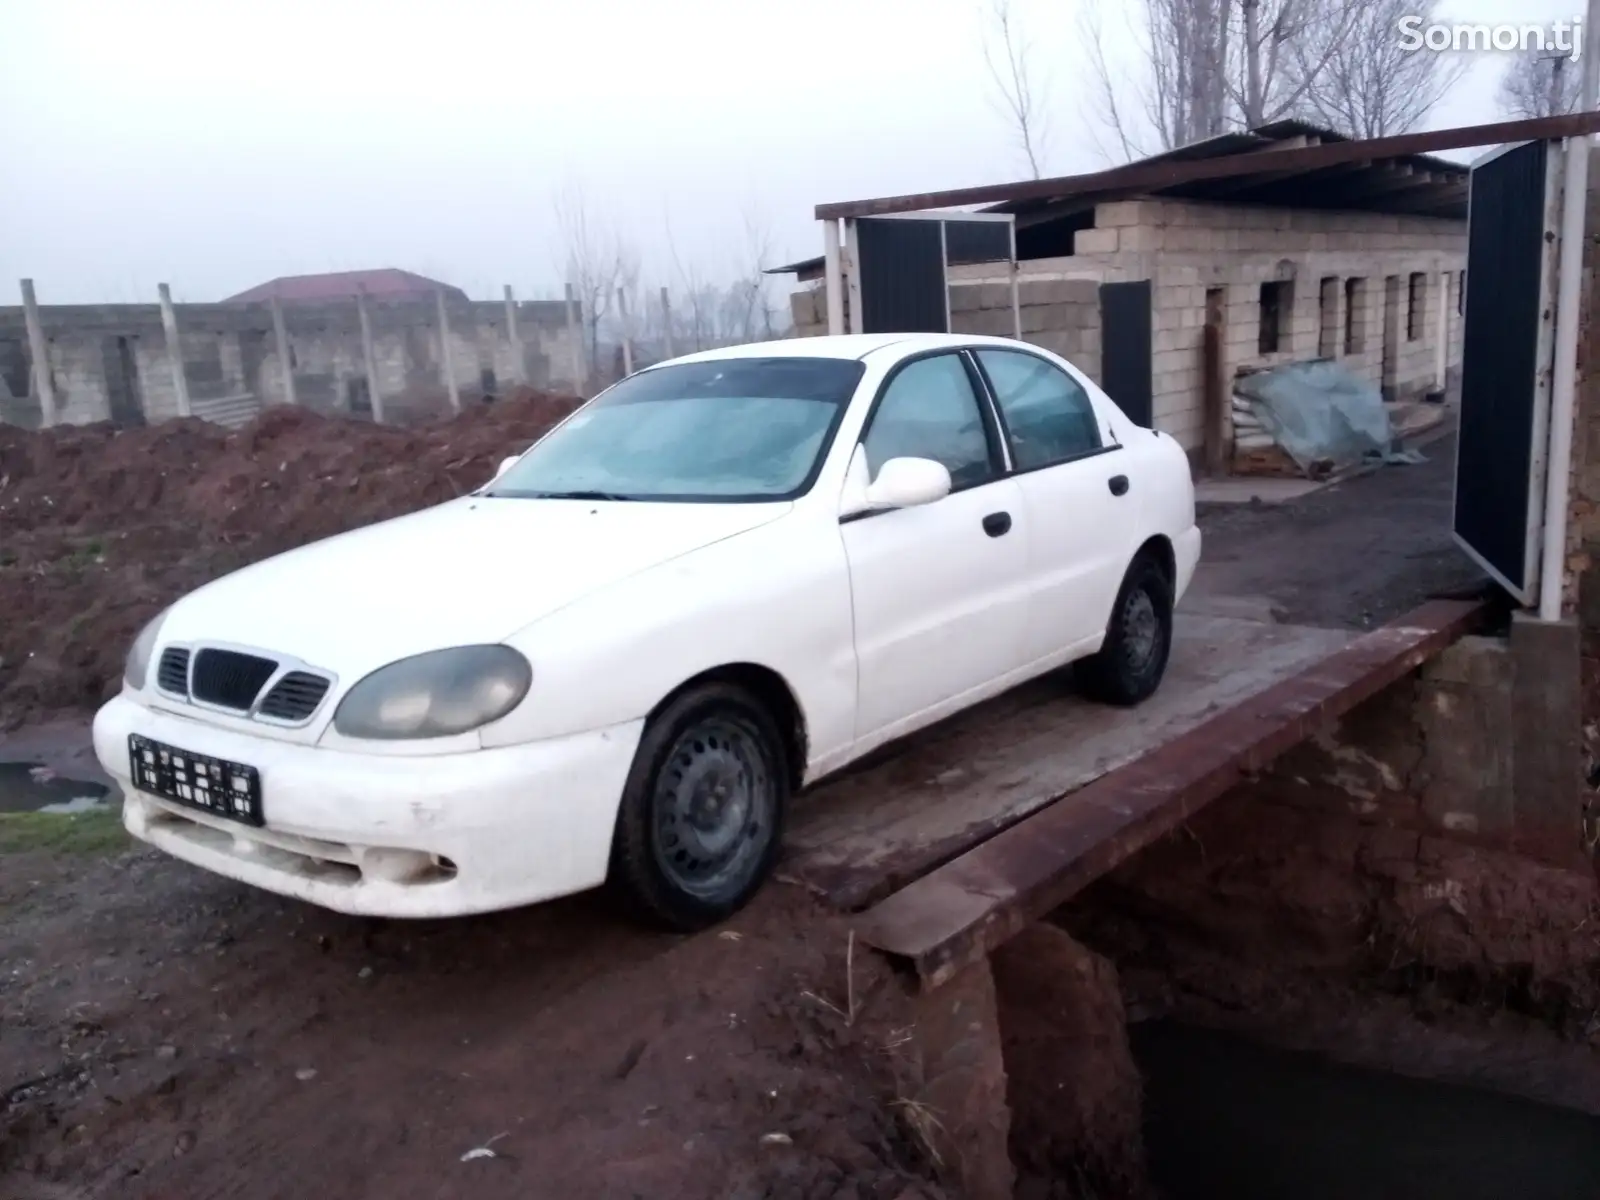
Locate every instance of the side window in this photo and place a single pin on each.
(930, 411)
(1048, 416)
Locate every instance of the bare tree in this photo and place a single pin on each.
(598, 261)
(1180, 96)
(748, 302)
(1208, 66)
(1540, 85)
(1365, 84)
(1284, 47)
(1009, 55)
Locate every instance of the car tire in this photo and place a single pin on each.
(702, 814)
(1133, 659)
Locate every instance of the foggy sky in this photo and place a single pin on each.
(214, 144)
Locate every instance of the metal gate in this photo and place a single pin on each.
(900, 283)
(1507, 351)
(1125, 358)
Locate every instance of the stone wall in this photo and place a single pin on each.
(111, 361)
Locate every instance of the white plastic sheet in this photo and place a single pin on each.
(1322, 416)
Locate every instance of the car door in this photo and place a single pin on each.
(939, 590)
(1082, 505)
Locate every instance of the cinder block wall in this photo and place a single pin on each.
(1187, 249)
(1061, 315)
(111, 360)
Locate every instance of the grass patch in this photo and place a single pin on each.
(99, 832)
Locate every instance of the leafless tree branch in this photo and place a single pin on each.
(598, 261)
(1540, 85)
(1363, 84)
(1009, 54)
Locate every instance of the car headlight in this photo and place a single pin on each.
(137, 665)
(437, 694)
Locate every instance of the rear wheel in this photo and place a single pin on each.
(1131, 663)
(702, 812)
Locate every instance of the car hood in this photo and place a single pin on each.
(470, 571)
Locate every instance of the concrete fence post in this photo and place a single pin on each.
(44, 383)
(447, 362)
(169, 325)
(666, 322)
(627, 332)
(369, 359)
(580, 376)
(280, 333)
(519, 364)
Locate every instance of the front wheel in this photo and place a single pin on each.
(1132, 661)
(701, 821)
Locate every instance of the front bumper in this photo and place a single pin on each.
(388, 835)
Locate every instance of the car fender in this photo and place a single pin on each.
(777, 597)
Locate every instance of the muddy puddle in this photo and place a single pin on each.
(1228, 1117)
(34, 787)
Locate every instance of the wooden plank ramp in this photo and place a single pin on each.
(935, 795)
(958, 912)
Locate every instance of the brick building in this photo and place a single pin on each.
(1360, 262)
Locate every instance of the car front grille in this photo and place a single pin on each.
(229, 678)
(294, 697)
(173, 673)
(238, 680)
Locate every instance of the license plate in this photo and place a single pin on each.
(213, 785)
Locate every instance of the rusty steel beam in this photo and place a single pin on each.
(1144, 176)
(958, 913)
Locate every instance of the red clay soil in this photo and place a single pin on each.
(101, 527)
(167, 1033)
(1276, 900)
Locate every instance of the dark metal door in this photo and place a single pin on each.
(1506, 356)
(903, 260)
(1125, 359)
(902, 275)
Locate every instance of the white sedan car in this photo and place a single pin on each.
(720, 579)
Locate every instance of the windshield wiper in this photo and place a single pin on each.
(577, 495)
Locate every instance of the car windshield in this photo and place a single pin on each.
(732, 429)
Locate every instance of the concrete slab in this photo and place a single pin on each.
(1267, 489)
(871, 831)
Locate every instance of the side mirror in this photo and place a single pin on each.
(505, 465)
(908, 482)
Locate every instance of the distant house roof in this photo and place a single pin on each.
(387, 283)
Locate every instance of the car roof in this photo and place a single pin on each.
(848, 345)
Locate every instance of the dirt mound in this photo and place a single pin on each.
(100, 526)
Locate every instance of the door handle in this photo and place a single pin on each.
(996, 524)
(1118, 485)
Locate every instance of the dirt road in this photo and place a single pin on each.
(1353, 554)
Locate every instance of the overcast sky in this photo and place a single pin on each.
(214, 145)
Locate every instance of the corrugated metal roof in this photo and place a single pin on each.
(1319, 168)
(385, 283)
(1219, 159)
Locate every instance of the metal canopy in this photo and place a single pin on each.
(1171, 171)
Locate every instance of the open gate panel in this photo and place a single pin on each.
(1508, 336)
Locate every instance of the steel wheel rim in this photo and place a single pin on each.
(1142, 635)
(714, 809)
